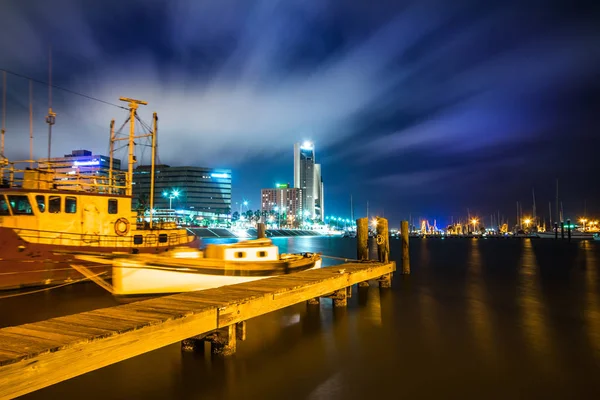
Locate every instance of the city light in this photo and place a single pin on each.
(86, 163)
(174, 194)
(216, 175)
(583, 221)
(527, 221)
(307, 145)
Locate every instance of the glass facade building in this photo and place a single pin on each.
(307, 176)
(205, 191)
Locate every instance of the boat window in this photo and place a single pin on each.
(162, 238)
(41, 202)
(54, 204)
(20, 205)
(261, 254)
(138, 239)
(4, 206)
(113, 206)
(239, 254)
(70, 205)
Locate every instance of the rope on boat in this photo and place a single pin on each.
(340, 258)
(49, 288)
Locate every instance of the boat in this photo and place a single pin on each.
(596, 236)
(185, 269)
(575, 235)
(48, 210)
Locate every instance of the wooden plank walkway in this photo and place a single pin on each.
(40, 354)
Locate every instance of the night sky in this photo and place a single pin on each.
(427, 108)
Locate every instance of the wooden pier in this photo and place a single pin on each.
(40, 354)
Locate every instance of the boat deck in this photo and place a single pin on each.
(40, 354)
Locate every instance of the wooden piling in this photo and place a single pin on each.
(383, 240)
(240, 331)
(385, 281)
(569, 229)
(555, 230)
(362, 239)
(405, 254)
(562, 230)
(340, 298)
(261, 231)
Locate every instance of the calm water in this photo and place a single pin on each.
(476, 319)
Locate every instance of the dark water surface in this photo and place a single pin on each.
(476, 319)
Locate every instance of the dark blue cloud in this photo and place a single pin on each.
(447, 105)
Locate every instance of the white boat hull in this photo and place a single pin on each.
(132, 279)
(574, 235)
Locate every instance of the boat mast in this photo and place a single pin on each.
(50, 118)
(558, 219)
(30, 124)
(110, 162)
(3, 113)
(154, 131)
(533, 216)
(133, 105)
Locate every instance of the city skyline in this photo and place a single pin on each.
(420, 108)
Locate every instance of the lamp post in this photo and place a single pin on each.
(173, 195)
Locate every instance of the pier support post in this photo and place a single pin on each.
(405, 254)
(349, 292)
(261, 231)
(339, 298)
(385, 281)
(383, 240)
(362, 239)
(555, 230)
(562, 230)
(240, 331)
(569, 230)
(223, 341)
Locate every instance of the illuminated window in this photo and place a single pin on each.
(240, 254)
(261, 254)
(4, 206)
(41, 202)
(54, 204)
(20, 205)
(70, 205)
(113, 206)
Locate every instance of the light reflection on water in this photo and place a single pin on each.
(476, 318)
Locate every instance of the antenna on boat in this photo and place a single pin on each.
(3, 113)
(50, 118)
(133, 105)
(30, 123)
(152, 168)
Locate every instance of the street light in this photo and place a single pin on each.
(527, 221)
(173, 195)
(474, 221)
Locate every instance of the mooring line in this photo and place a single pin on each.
(49, 288)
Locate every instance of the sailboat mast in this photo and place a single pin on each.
(351, 209)
(30, 124)
(154, 131)
(550, 211)
(558, 219)
(3, 131)
(50, 118)
(534, 218)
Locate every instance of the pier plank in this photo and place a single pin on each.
(33, 356)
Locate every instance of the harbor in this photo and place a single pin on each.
(521, 315)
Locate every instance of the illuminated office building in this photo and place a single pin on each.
(307, 176)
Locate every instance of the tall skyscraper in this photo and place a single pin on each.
(307, 176)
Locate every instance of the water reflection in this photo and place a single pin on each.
(592, 306)
(478, 311)
(533, 312)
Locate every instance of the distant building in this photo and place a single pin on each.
(84, 162)
(307, 176)
(282, 200)
(204, 191)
